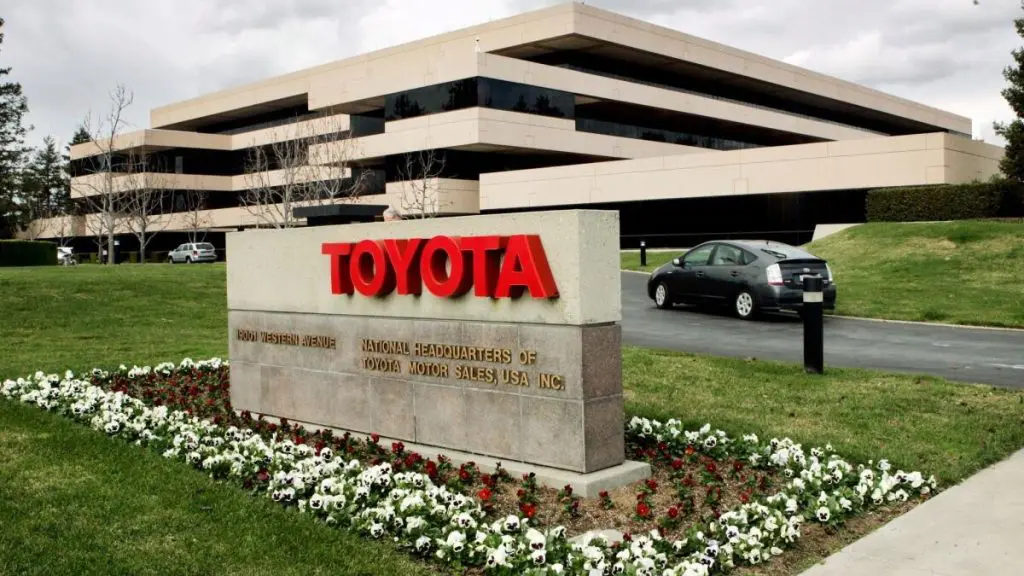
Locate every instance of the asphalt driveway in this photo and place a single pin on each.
(966, 354)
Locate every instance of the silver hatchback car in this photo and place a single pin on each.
(189, 253)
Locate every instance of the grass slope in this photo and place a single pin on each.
(75, 502)
(959, 272)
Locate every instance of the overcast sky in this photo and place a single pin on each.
(68, 54)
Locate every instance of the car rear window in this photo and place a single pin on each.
(205, 246)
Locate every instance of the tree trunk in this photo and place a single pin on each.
(142, 251)
(110, 238)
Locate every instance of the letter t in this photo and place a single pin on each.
(339, 252)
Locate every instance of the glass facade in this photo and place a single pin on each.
(659, 135)
(478, 92)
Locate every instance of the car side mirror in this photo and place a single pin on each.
(677, 262)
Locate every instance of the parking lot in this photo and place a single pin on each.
(966, 354)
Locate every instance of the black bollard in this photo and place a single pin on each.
(643, 253)
(814, 324)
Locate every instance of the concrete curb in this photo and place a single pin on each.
(937, 324)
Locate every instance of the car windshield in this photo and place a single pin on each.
(205, 246)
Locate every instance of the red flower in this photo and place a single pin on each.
(397, 447)
(528, 510)
(643, 510)
(673, 512)
(690, 450)
(677, 464)
(737, 466)
(431, 469)
(652, 484)
(520, 493)
(375, 437)
(711, 467)
(603, 494)
(464, 475)
(263, 475)
(744, 497)
(484, 495)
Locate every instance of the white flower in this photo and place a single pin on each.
(456, 541)
(823, 514)
(511, 524)
(497, 557)
(422, 544)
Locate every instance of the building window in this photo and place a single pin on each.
(659, 135)
(502, 95)
(473, 92)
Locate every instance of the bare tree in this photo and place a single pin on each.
(192, 208)
(102, 200)
(420, 192)
(284, 174)
(144, 200)
(62, 229)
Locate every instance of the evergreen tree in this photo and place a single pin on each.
(47, 192)
(1012, 164)
(13, 108)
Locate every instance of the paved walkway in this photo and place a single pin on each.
(975, 528)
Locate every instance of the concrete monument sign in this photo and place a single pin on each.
(488, 336)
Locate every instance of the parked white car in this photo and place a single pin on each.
(66, 256)
(192, 253)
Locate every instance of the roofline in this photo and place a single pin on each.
(294, 85)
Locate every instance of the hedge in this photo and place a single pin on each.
(945, 202)
(27, 253)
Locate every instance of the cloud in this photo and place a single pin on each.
(68, 54)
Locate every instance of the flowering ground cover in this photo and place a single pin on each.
(731, 501)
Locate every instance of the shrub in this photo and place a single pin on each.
(133, 257)
(27, 253)
(943, 202)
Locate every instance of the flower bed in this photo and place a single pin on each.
(715, 501)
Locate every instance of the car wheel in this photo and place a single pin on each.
(744, 305)
(661, 296)
(188, 259)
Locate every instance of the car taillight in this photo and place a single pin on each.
(774, 275)
(195, 252)
(831, 279)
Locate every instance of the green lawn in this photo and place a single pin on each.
(631, 260)
(102, 501)
(80, 317)
(918, 422)
(74, 502)
(960, 273)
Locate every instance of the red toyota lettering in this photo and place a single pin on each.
(449, 267)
